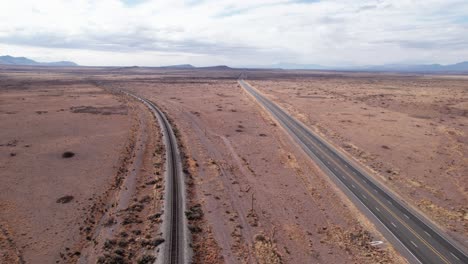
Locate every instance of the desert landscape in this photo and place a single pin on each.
(234, 132)
(83, 174)
(410, 131)
(80, 180)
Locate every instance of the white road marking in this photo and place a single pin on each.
(352, 185)
(376, 243)
(454, 256)
(427, 233)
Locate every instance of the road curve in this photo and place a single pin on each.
(175, 249)
(410, 232)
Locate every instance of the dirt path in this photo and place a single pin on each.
(409, 131)
(262, 200)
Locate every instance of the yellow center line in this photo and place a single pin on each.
(365, 189)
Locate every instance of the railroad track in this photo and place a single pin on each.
(410, 232)
(175, 249)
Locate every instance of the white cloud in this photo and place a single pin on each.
(111, 32)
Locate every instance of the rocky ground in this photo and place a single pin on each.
(263, 201)
(82, 166)
(80, 170)
(410, 131)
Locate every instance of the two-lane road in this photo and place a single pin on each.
(422, 242)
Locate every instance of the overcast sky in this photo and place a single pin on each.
(235, 32)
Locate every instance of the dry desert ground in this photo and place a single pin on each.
(81, 164)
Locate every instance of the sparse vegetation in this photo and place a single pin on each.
(194, 213)
(65, 199)
(146, 259)
(228, 168)
(68, 154)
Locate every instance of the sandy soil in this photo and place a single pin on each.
(410, 131)
(262, 200)
(55, 206)
(254, 196)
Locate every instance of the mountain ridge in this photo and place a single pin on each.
(429, 68)
(10, 60)
(456, 67)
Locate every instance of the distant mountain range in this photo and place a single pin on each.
(461, 67)
(189, 66)
(180, 66)
(291, 66)
(458, 67)
(10, 60)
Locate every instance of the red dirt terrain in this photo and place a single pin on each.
(77, 169)
(254, 196)
(263, 201)
(410, 131)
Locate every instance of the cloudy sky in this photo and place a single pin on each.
(236, 32)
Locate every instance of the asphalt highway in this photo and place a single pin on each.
(424, 242)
